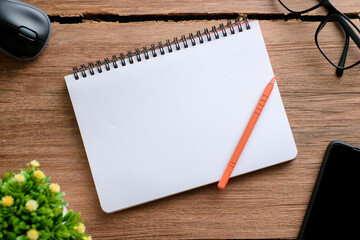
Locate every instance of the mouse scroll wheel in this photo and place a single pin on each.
(27, 33)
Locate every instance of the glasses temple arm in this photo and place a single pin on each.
(348, 29)
(339, 71)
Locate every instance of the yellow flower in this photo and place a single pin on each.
(80, 228)
(19, 178)
(55, 188)
(34, 163)
(87, 238)
(33, 234)
(39, 175)
(7, 201)
(31, 205)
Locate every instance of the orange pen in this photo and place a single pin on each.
(246, 134)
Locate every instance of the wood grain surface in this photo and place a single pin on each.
(37, 122)
(182, 7)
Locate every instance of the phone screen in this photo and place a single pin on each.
(334, 209)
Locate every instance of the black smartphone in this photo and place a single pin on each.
(334, 208)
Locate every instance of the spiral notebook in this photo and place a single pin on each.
(165, 119)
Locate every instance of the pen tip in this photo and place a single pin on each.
(272, 81)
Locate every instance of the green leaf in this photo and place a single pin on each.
(15, 221)
(6, 176)
(24, 226)
(44, 211)
(10, 236)
(21, 237)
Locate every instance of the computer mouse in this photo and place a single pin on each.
(24, 29)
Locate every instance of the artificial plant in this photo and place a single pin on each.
(33, 209)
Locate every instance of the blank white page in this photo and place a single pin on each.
(171, 123)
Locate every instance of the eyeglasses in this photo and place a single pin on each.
(337, 37)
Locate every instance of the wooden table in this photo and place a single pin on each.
(37, 120)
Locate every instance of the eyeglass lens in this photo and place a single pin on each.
(339, 46)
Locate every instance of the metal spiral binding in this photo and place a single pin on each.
(144, 53)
